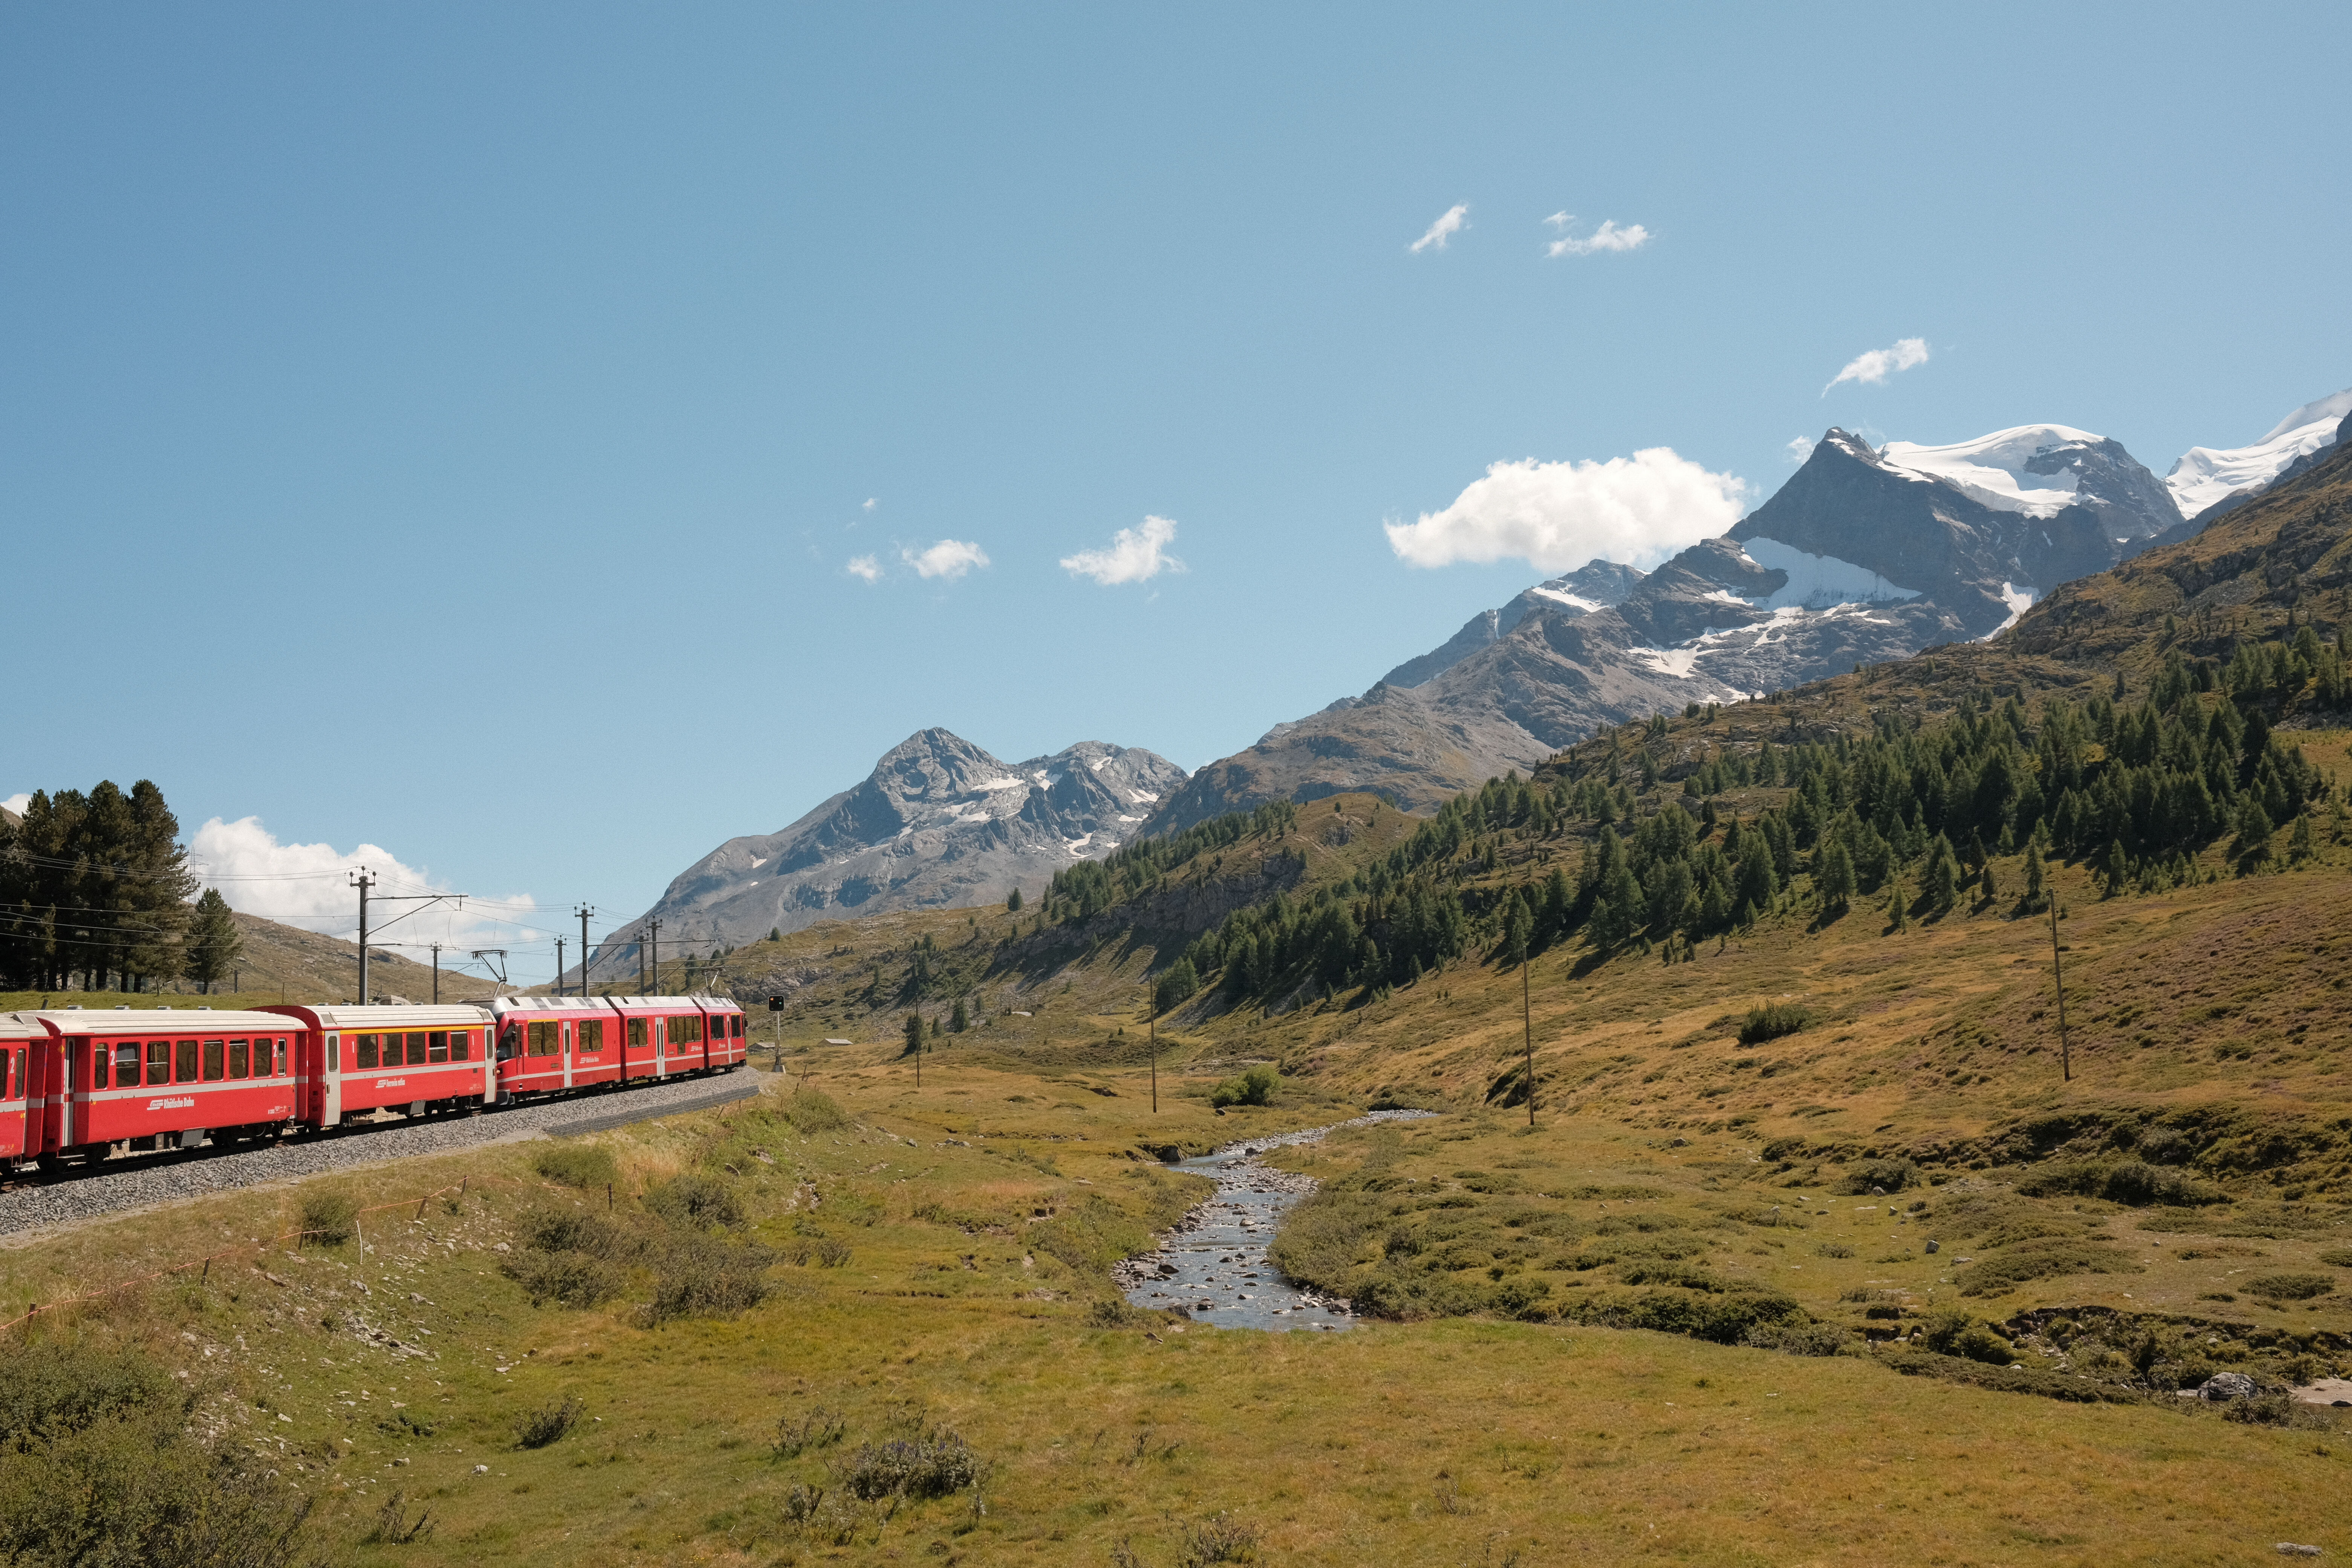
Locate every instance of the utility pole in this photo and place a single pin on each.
(437, 971)
(653, 936)
(1152, 1013)
(2058, 973)
(1527, 1023)
(362, 881)
(559, 967)
(584, 911)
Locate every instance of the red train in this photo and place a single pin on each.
(78, 1085)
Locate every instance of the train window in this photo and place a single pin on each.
(184, 1061)
(7, 1074)
(98, 1061)
(686, 1031)
(637, 1033)
(461, 1044)
(591, 1035)
(544, 1040)
(240, 1058)
(416, 1050)
(159, 1062)
(363, 1051)
(735, 1025)
(215, 1060)
(126, 1065)
(436, 1046)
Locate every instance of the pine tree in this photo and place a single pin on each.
(2298, 843)
(775, 933)
(961, 1019)
(1898, 911)
(1518, 927)
(1990, 888)
(914, 1034)
(1834, 877)
(1012, 901)
(2033, 877)
(1941, 880)
(213, 942)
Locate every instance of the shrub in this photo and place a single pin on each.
(704, 1202)
(1176, 986)
(2288, 1287)
(2134, 1183)
(1886, 1175)
(2338, 1258)
(1953, 1332)
(811, 1111)
(700, 1278)
(1834, 1249)
(577, 1230)
(549, 1423)
(1771, 1021)
(1798, 1339)
(576, 1164)
(101, 1466)
(2041, 1259)
(392, 1527)
(332, 1219)
(930, 1464)
(817, 1429)
(568, 1278)
(1255, 1087)
(1221, 1539)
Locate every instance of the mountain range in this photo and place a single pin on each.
(938, 823)
(1866, 554)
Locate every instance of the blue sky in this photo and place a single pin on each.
(451, 429)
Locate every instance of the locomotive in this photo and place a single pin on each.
(78, 1085)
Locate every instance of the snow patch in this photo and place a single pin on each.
(2019, 601)
(1817, 582)
(1141, 797)
(986, 785)
(1674, 661)
(1573, 601)
(1099, 763)
(2203, 476)
(1991, 469)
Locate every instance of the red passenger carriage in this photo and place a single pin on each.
(413, 1059)
(156, 1079)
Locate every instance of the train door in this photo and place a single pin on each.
(15, 1048)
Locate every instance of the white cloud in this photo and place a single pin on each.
(949, 558)
(871, 502)
(1451, 222)
(1800, 449)
(1876, 365)
(309, 885)
(17, 803)
(1608, 236)
(1556, 516)
(1136, 555)
(864, 567)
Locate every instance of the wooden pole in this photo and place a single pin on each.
(2058, 973)
(1153, 1016)
(1528, 1022)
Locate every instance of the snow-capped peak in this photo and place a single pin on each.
(2001, 471)
(2205, 477)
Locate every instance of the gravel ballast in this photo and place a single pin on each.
(149, 1185)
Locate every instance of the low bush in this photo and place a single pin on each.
(1727, 1320)
(2288, 1287)
(573, 1279)
(1219, 1539)
(1865, 1176)
(393, 1527)
(1255, 1087)
(2134, 1183)
(1951, 1332)
(2039, 1261)
(796, 1434)
(2336, 1258)
(1833, 1249)
(98, 1465)
(811, 1111)
(1799, 1339)
(1771, 1021)
(704, 1202)
(697, 1277)
(932, 1463)
(576, 1164)
(550, 1422)
(330, 1217)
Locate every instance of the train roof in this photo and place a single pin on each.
(449, 1016)
(502, 1005)
(150, 1020)
(674, 1004)
(17, 1026)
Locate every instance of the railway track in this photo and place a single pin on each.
(129, 1181)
